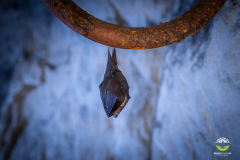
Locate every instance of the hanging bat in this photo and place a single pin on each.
(114, 89)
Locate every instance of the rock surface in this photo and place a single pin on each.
(183, 97)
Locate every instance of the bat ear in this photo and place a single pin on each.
(114, 57)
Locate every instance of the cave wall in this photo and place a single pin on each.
(199, 98)
(183, 97)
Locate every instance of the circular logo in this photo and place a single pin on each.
(222, 144)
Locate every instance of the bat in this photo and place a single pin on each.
(114, 89)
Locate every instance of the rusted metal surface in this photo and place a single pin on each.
(119, 36)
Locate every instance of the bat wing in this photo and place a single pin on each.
(110, 101)
(125, 89)
(103, 92)
(123, 83)
(109, 91)
(121, 106)
(114, 88)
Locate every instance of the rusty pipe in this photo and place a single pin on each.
(119, 36)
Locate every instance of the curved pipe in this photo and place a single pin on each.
(119, 36)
